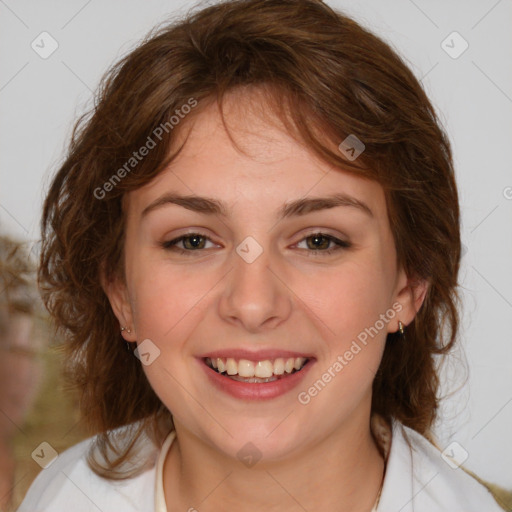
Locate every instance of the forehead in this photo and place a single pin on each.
(262, 165)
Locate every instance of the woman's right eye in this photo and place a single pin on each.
(191, 242)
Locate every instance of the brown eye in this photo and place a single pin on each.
(190, 242)
(320, 243)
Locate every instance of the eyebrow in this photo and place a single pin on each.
(303, 206)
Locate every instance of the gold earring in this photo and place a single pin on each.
(401, 327)
(125, 329)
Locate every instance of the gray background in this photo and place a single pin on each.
(40, 98)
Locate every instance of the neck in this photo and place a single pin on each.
(342, 473)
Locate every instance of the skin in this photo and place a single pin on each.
(319, 456)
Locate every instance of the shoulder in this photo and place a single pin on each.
(418, 479)
(68, 483)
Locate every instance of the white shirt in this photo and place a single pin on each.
(417, 479)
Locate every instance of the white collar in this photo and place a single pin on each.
(419, 480)
(160, 505)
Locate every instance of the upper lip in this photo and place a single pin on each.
(259, 355)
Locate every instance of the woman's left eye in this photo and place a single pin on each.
(320, 243)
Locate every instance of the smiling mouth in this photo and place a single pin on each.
(243, 370)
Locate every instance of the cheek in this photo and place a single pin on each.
(167, 301)
(349, 304)
(168, 306)
(349, 298)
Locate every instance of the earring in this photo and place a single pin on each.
(128, 345)
(401, 327)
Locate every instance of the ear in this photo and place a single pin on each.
(410, 292)
(117, 293)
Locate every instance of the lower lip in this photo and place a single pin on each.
(256, 390)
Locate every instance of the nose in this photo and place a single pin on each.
(255, 296)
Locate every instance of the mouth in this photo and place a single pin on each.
(252, 372)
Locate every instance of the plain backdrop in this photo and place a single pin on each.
(471, 90)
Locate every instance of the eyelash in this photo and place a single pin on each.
(340, 244)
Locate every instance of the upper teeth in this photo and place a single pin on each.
(263, 369)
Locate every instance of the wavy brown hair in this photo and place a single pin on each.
(325, 77)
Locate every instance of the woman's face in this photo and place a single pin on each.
(256, 282)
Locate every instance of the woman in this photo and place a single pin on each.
(263, 203)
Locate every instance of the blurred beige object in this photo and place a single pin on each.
(20, 369)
